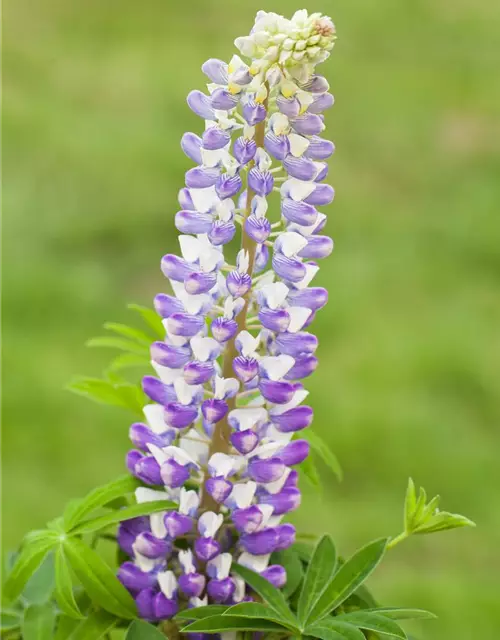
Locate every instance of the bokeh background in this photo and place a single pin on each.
(94, 110)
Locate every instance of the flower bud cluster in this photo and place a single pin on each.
(221, 436)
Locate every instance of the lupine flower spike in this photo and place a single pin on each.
(220, 434)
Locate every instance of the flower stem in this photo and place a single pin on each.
(397, 539)
(220, 440)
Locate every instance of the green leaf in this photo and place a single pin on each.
(217, 624)
(151, 318)
(374, 622)
(141, 630)
(98, 580)
(304, 550)
(321, 569)
(128, 361)
(38, 622)
(400, 613)
(64, 587)
(290, 560)
(203, 612)
(308, 468)
(99, 497)
(9, 620)
(333, 629)
(125, 395)
(27, 562)
(257, 610)
(321, 448)
(117, 343)
(97, 625)
(265, 590)
(113, 517)
(442, 521)
(65, 626)
(136, 335)
(41, 584)
(348, 578)
(410, 504)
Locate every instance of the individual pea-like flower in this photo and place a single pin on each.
(222, 432)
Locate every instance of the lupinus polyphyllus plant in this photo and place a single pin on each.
(224, 427)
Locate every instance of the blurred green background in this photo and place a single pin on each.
(408, 384)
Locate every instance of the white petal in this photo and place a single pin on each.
(240, 590)
(298, 144)
(167, 375)
(179, 455)
(143, 494)
(209, 523)
(311, 271)
(277, 485)
(190, 247)
(225, 209)
(261, 206)
(247, 343)
(298, 318)
(210, 158)
(158, 528)
(274, 294)
(220, 464)
(242, 260)
(168, 583)
(144, 564)
(243, 493)
(185, 392)
(256, 563)
(267, 512)
(279, 124)
(198, 602)
(191, 444)
(277, 366)
(265, 279)
(298, 190)
(188, 501)
(204, 199)
(154, 416)
(158, 453)
(291, 242)
(222, 565)
(273, 434)
(298, 397)
(247, 418)
(267, 450)
(186, 561)
(204, 348)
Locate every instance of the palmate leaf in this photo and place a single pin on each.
(308, 468)
(290, 560)
(333, 629)
(374, 622)
(97, 625)
(151, 318)
(98, 580)
(122, 344)
(218, 624)
(128, 361)
(99, 497)
(10, 619)
(259, 611)
(40, 586)
(141, 630)
(272, 596)
(321, 569)
(199, 613)
(347, 579)
(38, 622)
(136, 335)
(27, 562)
(64, 587)
(443, 521)
(321, 448)
(120, 515)
(402, 613)
(118, 394)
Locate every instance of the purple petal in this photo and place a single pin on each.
(141, 435)
(222, 99)
(276, 575)
(134, 579)
(247, 520)
(321, 103)
(289, 106)
(322, 173)
(277, 320)
(192, 584)
(317, 247)
(319, 149)
(198, 372)
(257, 228)
(214, 138)
(148, 470)
(191, 144)
(219, 488)
(295, 452)
(185, 324)
(322, 194)
(157, 390)
(221, 232)
(164, 607)
(227, 185)
(125, 539)
(200, 282)
(297, 344)
(301, 168)
(303, 367)
(260, 182)
(215, 70)
(261, 258)
(245, 368)
(184, 198)
(201, 105)
(316, 84)
(169, 355)
(288, 268)
(313, 298)
(221, 590)
(308, 124)
(244, 149)
(286, 536)
(261, 542)
(207, 548)
(166, 305)
(276, 391)
(201, 177)
(253, 112)
(244, 441)
(266, 470)
(193, 222)
(177, 524)
(238, 284)
(145, 604)
(175, 268)
(286, 500)
(151, 547)
(293, 419)
(179, 416)
(223, 329)
(214, 410)
(174, 474)
(277, 146)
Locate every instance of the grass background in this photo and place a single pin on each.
(408, 384)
